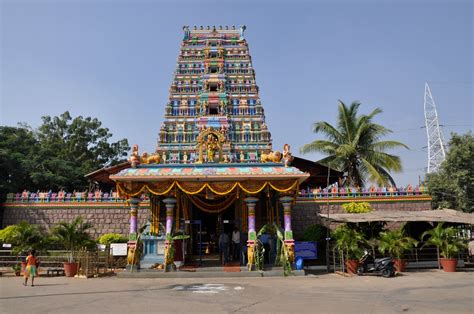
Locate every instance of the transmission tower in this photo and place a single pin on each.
(436, 150)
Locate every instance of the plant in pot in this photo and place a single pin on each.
(350, 242)
(17, 269)
(396, 243)
(72, 236)
(448, 242)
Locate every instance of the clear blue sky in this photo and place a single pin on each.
(114, 60)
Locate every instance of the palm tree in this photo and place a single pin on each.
(72, 235)
(354, 147)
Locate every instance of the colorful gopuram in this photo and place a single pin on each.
(214, 88)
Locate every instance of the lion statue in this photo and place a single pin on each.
(152, 159)
(271, 157)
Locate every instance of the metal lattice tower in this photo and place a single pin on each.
(436, 150)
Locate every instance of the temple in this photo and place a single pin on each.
(214, 169)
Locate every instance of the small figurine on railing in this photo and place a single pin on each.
(135, 157)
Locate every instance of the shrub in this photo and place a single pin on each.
(112, 238)
(315, 233)
(357, 208)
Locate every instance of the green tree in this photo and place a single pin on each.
(56, 155)
(17, 148)
(453, 185)
(354, 147)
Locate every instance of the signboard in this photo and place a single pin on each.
(7, 245)
(160, 247)
(226, 221)
(118, 249)
(101, 247)
(306, 250)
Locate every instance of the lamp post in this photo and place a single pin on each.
(327, 227)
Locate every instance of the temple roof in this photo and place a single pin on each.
(210, 172)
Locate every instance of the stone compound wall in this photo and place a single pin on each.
(114, 217)
(305, 213)
(105, 219)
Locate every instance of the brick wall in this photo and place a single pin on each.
(304, 213)
(104, 220)
(114, 218)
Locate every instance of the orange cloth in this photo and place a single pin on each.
(31, 261)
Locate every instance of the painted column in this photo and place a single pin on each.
(134, 205)
(287, 201)
(169, 204)
(251, 203)
(133, 256)
(252, 235)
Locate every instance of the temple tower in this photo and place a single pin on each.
(214, 96)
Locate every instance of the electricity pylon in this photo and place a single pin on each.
(436, 150)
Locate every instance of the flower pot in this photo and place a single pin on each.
(17, 273)
(400, 264)
(70, 269)
(352, 266)
(449, 264)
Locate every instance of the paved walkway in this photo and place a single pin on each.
(414, 292)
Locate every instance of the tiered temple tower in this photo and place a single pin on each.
(214, 92)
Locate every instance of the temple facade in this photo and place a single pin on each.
(214, 88)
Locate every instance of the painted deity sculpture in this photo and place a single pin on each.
(211, 145)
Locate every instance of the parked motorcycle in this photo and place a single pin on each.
(381, 266)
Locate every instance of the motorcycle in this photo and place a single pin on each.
(381, 266)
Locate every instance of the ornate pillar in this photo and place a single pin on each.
(169, 204)
(287, 201)
(133, 255)
(252, 234)
(134, 205)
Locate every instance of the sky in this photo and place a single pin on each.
(114, 60)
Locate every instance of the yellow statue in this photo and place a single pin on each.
(271, 157)
(152, 159)
(211, 145)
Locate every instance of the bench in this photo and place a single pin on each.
(58, 271)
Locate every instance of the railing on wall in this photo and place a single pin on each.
(356, 192)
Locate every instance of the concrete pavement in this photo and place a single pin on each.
(415, 292)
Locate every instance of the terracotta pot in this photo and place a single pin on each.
(70, 269)
(352, 266)
(449, 264)
(17, 273)
(400, 264)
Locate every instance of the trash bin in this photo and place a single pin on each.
(299, 263)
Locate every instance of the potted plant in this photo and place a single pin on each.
(72, 236)
(350, 242)
(396, 243)
(448, 243)
(16, 269)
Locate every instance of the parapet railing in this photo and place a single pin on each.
(356, 192)
(65, 197)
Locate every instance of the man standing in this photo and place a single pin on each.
(224, 247)
(236, 243)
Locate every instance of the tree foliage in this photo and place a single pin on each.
(354, 147)
(57, 155)
(453, 185)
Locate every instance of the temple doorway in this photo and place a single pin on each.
(206, 232)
